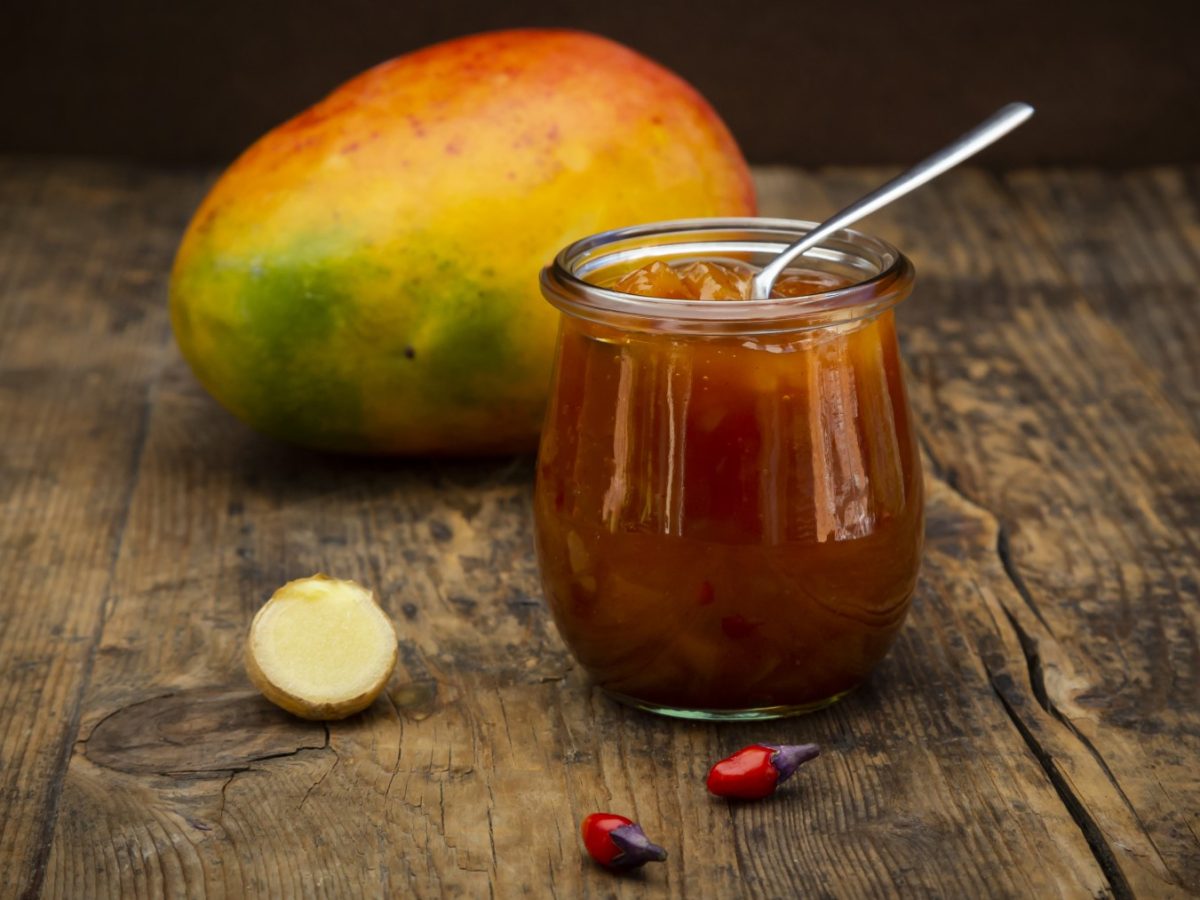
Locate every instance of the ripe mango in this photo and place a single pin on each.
(364, 277)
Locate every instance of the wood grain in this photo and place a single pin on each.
(1131, 243)
(82, 339)
(1034, 732)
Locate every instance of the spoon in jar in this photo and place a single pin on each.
(987, 132)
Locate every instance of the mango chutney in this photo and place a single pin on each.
(729, 507)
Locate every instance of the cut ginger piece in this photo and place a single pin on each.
(321, 648)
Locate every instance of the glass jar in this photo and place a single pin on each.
(729, 506)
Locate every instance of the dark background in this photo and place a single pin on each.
(1115, 83)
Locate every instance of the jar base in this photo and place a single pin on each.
(754, 714)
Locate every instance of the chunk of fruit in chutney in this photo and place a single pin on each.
(712, 280)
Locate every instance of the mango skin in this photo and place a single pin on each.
(364, 277)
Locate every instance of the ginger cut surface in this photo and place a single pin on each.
(321, 648)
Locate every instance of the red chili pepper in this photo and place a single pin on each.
(614, 841)
(753, 772)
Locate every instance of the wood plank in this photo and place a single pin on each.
(81, 337)
(1131, 242)
(492, 747)
(1040, 404)
(472, 775)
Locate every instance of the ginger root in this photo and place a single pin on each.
(321, 648)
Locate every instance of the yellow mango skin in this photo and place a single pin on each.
(364, 277)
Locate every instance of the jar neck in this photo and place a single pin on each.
(879, 277)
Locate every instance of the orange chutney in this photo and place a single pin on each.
(729, 524)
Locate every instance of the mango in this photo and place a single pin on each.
(364, 277)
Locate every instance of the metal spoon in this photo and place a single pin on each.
(987, 132)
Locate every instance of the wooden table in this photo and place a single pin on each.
(1035, 732)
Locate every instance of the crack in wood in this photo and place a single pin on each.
(491, 829)
(316, 784)
(224, 788)
(1038, 686)
(1033, 663)
(399, 743)
(1096, 841)
(1074, 806)
(1004, 551)
(188, 733)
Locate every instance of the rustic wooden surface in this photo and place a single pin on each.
(1035, 732)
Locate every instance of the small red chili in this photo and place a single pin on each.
(753, 772)
(616, 842)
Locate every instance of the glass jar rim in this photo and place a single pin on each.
(563, 284)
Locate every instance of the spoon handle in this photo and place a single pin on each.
(995, 127)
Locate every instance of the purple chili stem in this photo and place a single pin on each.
(636, 849)
(789, 757)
